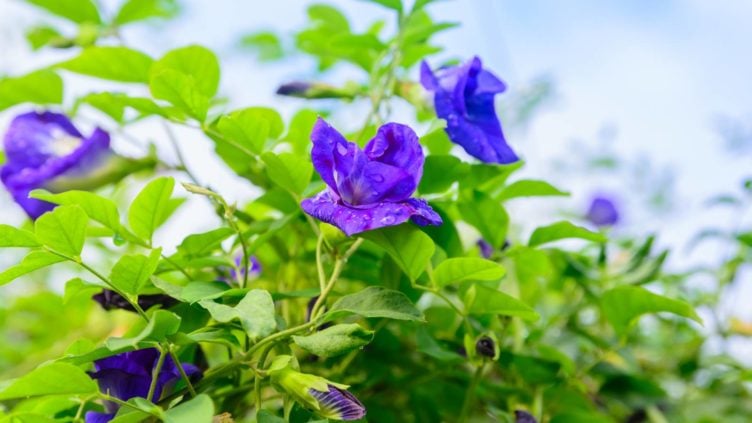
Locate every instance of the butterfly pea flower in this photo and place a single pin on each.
(44, 150)
(368, 188)
(111, 300)
(463, 95)
(521, 416)
(602, 212)
(129, 375)
(326, 398)
(486, 347)
(253, 269)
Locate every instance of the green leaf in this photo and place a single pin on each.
(264, 416)
(77, 287)
(151, 207)
(288, 170)
(181, 90)
(335, 340)
(111, 63)
(139, 10)
(530, 188)
(562, 230)
(12, 237)
(486, 215)
(40, 87)
(98, 208)
(249, 129)
(481, 299)
(197, 410)
(266, 45)
(440, 172)
(78, 11)
(456, 270)
(375, 301)
(194, 61)
(50, 379)
(162, 324)
(410, 248)
(624, 304)
(63, 229)
(43, 35)
(131, 272)
(198, 245)
(33, 261)
(427, 345)
(389, 4)
(255, 312)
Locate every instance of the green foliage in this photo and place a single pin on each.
(138, 10)
(562, 230)
(455, 270)
(50, 379)
(375, 301)
(410, 248)
(39, 87)
(78, 11)
(255, 312)
(131, 272)
(151, 207)
(111, 63)
(63, 230)
(335, 340)
(624, 304)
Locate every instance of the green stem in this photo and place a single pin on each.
(338, 266)
(155, 375)
(470, 394)
(184, 375)
(320, 264)
(122, 403)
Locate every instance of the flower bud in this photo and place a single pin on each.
(328, 399)
(487, 347)
(524, 417)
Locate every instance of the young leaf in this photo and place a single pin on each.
(78, 11)
(12, 237)
(63, 229)
(112, 63)
(410, 248)
(624, 304)
(440, 172)
(33, 261)
(50, 379)
(335, 340)
(255, 312)
(162, 324)
(77, 287)
(375, 301)
(194, 61)
(98, 208)
(389, 4)
(197, 410)
(198, 245)
(181, 90)
(562, 230)
(151, 207)
(40, 87)
(460, 269)
(265, 44)
(290, 171)
(139, 10)
(250, 128)
(530, 188)
(131, 272)
(487, 216)
(481, 299)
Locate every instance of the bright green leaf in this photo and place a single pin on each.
(255, 312)
(63, 229)
(440, 172)
(624, 304)
(77, 287)
(487, 216)
(389, 4)
(40, 87)
(151, 207)
(78, 11)
(131, 272)
(197, 410)
(410, 248)
(456, 270)
(12, 237)
(197, 245)
(375, 301)
(33, 261)
(335, 340)
(266, 45)
(250, 128)
(196, 62)
(530, 188)
(98, 208)
(288, 170)
(481, 299)
(162, 324)
(562, 230)
(112, 63)
(50, 379)
(181, 90)
(139, 10)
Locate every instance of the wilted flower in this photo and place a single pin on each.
(110, 300)
(129, 375)
(369, 188)
(44, 150)
(464, 97)
(602, 212)
(328, 399)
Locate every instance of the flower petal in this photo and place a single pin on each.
(32, 137)
(325, 141)
(352, 220)
(603, 212)
(96, 417)
(397, 145)
(338, 404)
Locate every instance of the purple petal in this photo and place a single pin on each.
(33, 138)
(603, 212)
(464, 97)
(352, 220)
(325, 140)
(397, 145)
(96, 417)
(339, 403)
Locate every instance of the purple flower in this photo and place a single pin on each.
(464, 97)
(370, 188)
(110, 300)
(521, 416)
(253, 270)
(44, 150)
(602, 212)
(129, 375)
(338, 404)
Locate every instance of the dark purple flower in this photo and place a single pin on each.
(602, 212)
(294, 89)
(486, 249)
(464, 97)
(369, 188)
(253, 270)
(110, 300)
(338, 404)
(485, 347)
(44, 150)
(129, 375)
(524, 417)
